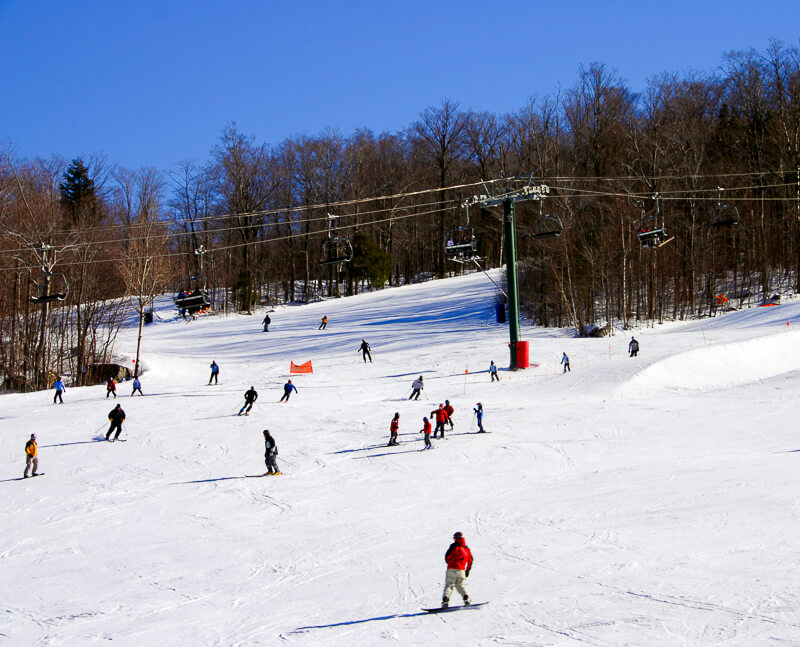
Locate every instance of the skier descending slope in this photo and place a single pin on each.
(416, 387)
(270, 454)
(479, 416)
(214, 373)
(117, 417)
(287, 391)
(459, 564)
(394, 427)
(250, 396)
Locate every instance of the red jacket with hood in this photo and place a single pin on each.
(458, 556)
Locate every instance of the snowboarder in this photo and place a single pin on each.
(441, 418)
(459, 564)
(287, 391)
(270, 452)
(31, 456)
(479, 417)
(214, 373)
(426, 430)
(416, 387)
(117, 417)
(394, 427)
(633, 347)
(565, 362)
(365, 351)
(449, 409)
(111, 387)
(58, 385)
(250, 396)
(267, 321)
(324, 323)
(493, 371)
(137, 386)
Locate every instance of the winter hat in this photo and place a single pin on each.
(252, 387)
(425, 419)
(457, 535)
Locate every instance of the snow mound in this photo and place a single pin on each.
(719, 366)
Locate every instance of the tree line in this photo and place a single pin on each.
(721, 152)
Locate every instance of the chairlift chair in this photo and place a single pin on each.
(336, 250)
(461, 246)
(725, 215)
(55, 296)
(192, 301)
(651, 231)
(546, 226)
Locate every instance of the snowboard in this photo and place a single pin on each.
(258, 476)
(31, 476)
(460, 607)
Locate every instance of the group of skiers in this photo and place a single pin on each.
(442, 415)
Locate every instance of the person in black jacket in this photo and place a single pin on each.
(633, 347)
(250, 396)
(270, 452)
(117, 417)
(267, 321)
(365, 351)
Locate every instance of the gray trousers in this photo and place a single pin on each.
(31, 461)
(272, 463)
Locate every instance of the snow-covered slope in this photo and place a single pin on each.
(633, 501)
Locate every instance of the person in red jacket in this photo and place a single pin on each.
(394, 427)
(426, 430)
(449, 409)
(441, 418)
(111, 387)
(459, 564)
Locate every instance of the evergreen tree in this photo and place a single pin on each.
(369, 262)
(78, 194)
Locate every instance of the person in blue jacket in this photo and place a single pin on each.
(565, 362)
(214, 373)
(287, 391)
(479, 417)
(137, 386)
(58, 385)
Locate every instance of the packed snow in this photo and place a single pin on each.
(632, 501)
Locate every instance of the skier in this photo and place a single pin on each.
(137, 386)
(493, 371)
(287, 391)
(365, 351)
(441, 418)
(449, 409)
(394, 426)
(324, 323)
(416, 387)
(479, 417)
(117, 417)
(426, 430)
(270, 452)
(111, 387)
(633, 347)
(459, 564)
(267, 321)
(31, 456)
(58, 385)
(565, 362)
(250, 396)
(214, 373)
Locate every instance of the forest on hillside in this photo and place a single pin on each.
(712, 162)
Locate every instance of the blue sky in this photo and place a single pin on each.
(151, 83)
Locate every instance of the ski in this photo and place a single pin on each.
(463, 607)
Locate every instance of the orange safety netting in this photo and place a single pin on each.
(301, 368)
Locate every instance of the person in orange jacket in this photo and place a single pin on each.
(394, 427)
(459, 564)
(426, 429)
(449, 409)
(31, 457)
(441, 418)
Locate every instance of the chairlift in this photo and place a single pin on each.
(725, 215)
(59, 295)
(192, 301)
(546, 226)
(335, 250)
(651, 231)
(461, 246)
